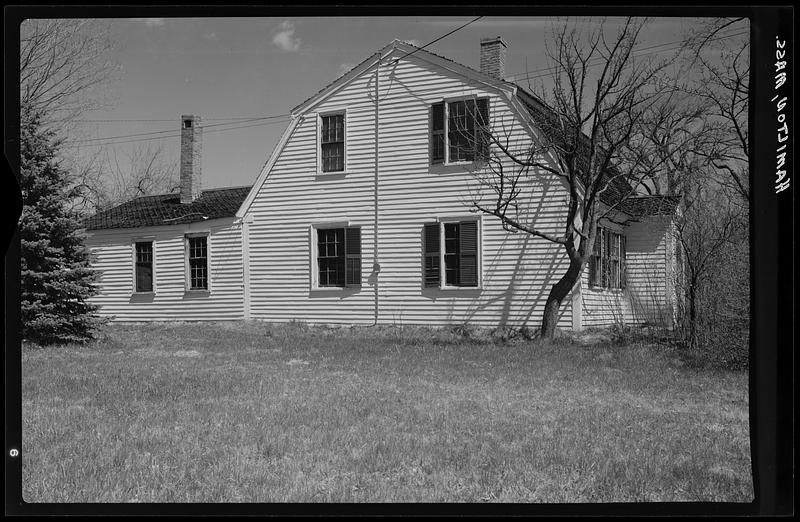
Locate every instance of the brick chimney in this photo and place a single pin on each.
(191, 152)
(493, 57)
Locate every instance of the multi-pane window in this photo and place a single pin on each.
(607, 263)
(332, 143)
(198, 262)
(144, 266)
(460, 131)
(459, 255)
(339, 257)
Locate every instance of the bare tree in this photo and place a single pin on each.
(594, 129)
(107, 179)
(63, 65)
(710, 222)
(723, 86)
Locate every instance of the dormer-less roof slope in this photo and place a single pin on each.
(167, 209)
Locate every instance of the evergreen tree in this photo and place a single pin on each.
(56, 279)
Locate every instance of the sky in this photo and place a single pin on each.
(227, 70)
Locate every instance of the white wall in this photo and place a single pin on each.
(112, 254)
(518, 270)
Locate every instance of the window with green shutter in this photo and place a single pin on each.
(459, 255)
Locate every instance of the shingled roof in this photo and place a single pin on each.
(640, 206)
(167, 209)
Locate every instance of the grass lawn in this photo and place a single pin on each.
(253, 412)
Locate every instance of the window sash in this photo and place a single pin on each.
(338, 257)
(459, 131)
(332, 134)
(450, 252)
(607, 264)
(144, 266)
(198, 263)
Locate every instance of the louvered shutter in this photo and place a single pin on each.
(623, 280)
(432, 254)
(482, 129)
(468, 255)
(437, 133)
(352, 247)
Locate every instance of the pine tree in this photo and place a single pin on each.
(56, 279)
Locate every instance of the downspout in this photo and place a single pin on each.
(376, 267)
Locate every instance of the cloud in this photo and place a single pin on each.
(151, 22)
(344, 67)
(285, 38)
(211, 36)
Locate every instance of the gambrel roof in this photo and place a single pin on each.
(167, 209)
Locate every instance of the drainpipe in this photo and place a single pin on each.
(376, 267)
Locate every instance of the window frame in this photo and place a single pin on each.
(314, 274)
(333, 112)
(187, 265)
(446, 102)
(600, 277)
(152, 241)
(442, 222)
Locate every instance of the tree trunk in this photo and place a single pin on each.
(558, 293)
(692, 315)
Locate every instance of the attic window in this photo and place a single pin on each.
(187, 124)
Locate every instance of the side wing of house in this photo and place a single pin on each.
(424, 257)
(166, 273)
(648, 292)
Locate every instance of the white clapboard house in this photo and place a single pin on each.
(361, 215)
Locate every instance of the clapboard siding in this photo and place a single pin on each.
(112, 254)
(517, 270)
(647, 296)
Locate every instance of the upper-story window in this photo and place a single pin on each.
(459, 131)
(332, 142)
(607, 264)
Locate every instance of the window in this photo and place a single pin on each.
(144, 266)
(459, 131)
(197, 247)
(459, 255)
(607, 263)
(332, 143)
(339, 257)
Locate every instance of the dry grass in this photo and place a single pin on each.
(286, 413)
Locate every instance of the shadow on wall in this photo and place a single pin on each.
(648, 301)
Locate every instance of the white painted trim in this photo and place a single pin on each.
(143, 239)
(338, 84)
(262, 177)
(245, 231)
(577, 306)
(187, 279)
(479, 257)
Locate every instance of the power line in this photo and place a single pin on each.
(440, 38)
(77, 145)
(527, 74)
(173, 130)
(172, 120)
